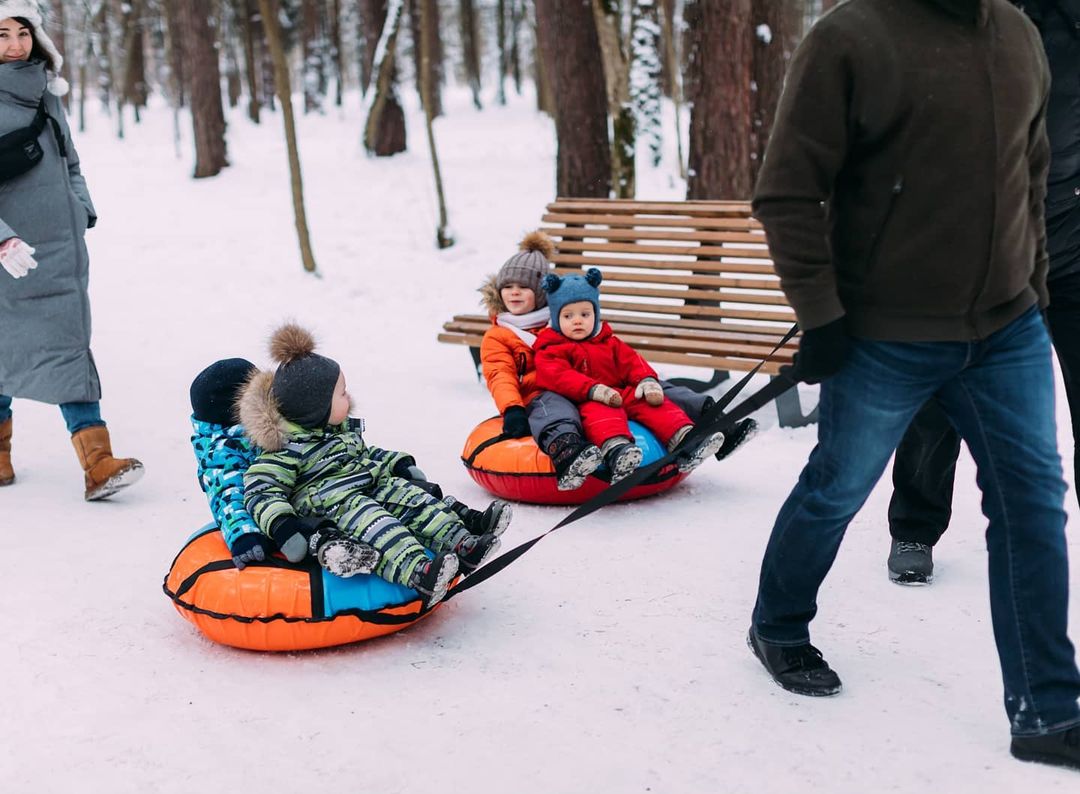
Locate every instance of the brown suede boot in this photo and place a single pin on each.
(7, 474)
(105, 475)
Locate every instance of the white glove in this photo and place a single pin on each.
(606, 395)
(15, 256)
(649, 390)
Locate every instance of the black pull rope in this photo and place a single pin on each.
(711, 421)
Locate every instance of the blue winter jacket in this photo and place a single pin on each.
(224, 454)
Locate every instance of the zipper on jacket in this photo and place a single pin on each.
(894, 192)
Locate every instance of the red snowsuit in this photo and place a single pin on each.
(572, 368)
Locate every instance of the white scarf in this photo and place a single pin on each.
(518, 323)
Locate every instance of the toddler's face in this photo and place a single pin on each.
(518, 299)
(577, 320)
(341, 402)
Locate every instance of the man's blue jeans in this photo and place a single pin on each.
(77, 416)
(999, 394)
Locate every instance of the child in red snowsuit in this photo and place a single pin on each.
(580, 358)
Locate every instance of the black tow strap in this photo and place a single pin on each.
(711, 421)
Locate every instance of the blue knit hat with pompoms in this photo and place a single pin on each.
(562, 290)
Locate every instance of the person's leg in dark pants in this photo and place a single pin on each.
(923, 472)
(1063, 315)
(1003, 405)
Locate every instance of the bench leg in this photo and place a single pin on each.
(476, 363)
(789, 409)
(701, 386)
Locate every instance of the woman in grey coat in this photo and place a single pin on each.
(44, 307)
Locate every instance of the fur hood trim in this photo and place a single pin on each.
(259, 414)
(490, 298)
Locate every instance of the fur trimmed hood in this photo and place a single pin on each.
(31, 12)
(490, 298)
(259, 413)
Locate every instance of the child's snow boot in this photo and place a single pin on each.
(474, 550)
(104, 474)
(621, 456)
(342, 555)
(574, 459)
(7, 474)
(495, 519)
(432, 579)
(690, 459)
(742, 432)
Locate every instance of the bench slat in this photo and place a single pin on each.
(699, 311)
(577, 232)
(683, 279)
(631, 221)
(708, 209)
(698, 266)
(578, 246)
(708, 295)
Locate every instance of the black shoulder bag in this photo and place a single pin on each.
(20, 150)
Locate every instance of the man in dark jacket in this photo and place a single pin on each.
(902, 193)
(925, 465)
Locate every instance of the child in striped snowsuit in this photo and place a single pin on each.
(224, 453)
(315, 464)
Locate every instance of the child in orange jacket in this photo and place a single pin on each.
(580, 358)
(518, 311)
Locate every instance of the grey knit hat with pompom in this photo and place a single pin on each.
(529, 266)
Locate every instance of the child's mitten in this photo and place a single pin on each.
(649, 390)
(292, 534)
(516, 422)
(606, 395)
(250, 547)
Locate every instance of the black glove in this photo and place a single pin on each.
(822, 352)
(407, 469)
(250, 547)
(516, 422)
(292, 534)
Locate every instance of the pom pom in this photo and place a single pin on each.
(551, 283)
(291, 342)
(539, 242)
(593, 276)
(58, 86)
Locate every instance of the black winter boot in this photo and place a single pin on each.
(432, 579)
(797, 668)
(474, 550)
(496, 518)
(1056, 749)
(574, 459)
(341, 554)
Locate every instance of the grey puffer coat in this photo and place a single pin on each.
(45, 316)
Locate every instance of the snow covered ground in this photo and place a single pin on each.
(609, 659)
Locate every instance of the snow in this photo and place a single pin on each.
(611, 658)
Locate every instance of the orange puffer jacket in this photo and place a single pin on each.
(508, 367)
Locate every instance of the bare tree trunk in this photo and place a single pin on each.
(176, 53)
(777, 26)
(720, 124)
(544, 32)
(384, 128)
(204, 83)
(516, 14)
(584, 157)
(617, 83)
(827, 4)
(312, 71)
(228, 27)
(673, 72)
(501, 33)
(246, 17)
(337, 52)
(427, 34)
(443, 237)
(471, 46)
(272, 29)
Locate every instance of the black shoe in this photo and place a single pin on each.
(341, 554)
(738, 435)
(475, 550)
(496, 518)
(621, 458)
(910, 563)
(797, 668)
(432, 579)
(1056, 749)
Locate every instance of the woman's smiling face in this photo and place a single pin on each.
(16, 41)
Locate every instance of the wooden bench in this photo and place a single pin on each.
(685, 282)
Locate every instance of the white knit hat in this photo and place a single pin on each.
(31, 12)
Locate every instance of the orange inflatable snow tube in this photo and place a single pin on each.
(280, 606)
(516, 469)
